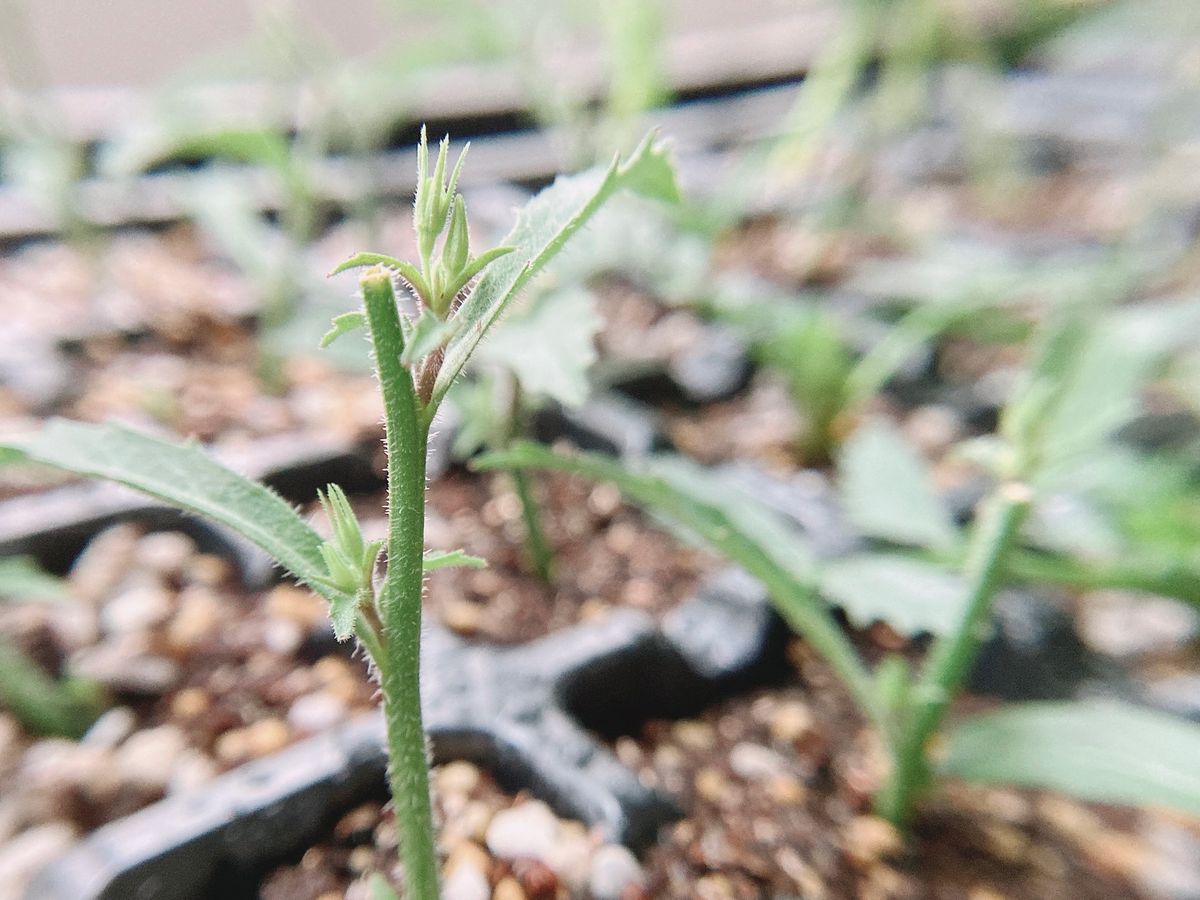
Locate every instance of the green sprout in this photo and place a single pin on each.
(417, 355)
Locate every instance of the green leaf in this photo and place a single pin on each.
(1099, 386)
(343, 324)
(1100, 750)
(887, 490)
(21, 578)
(551, 347)
(442, 559)
(343, 613)
(184, 476)
(911, 595)
(542, 229)
(428, 333)
(407, 270)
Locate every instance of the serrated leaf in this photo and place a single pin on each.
(185, 477)
(551, 347)
(911, 595)
(542, 229)
(21, 578)
(442, 559)
(343, 324)
(887, 490)
(1101, 750)
(428, 333)
(343, 613)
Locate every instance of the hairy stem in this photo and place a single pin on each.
(952, 656)
(400, 596)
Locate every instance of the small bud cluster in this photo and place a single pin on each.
(440, 208)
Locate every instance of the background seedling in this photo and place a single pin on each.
(1079, 387)
(62, 706)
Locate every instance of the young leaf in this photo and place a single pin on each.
(21, 578)
(343, 324)
(542, 229)
(441, 559)
(407, 270)
(343, 612)
(1098, 750)
(551, 347)
(910, 595)
(887, 491)
(186, 477)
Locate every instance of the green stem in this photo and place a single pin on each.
(536, 545)
(400, 597)
(952, 656)
(537, 548)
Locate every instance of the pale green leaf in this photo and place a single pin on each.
(21, 578)
(343, 613)
(343, 324)
(911, 595)
(887, 491)
(1100, 750)
(184, 476)
(542, 229)
(551, 347)
(442, 559)
(1100, 386)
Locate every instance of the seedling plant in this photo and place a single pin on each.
(421, 341)
(924, 575)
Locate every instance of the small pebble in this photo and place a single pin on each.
(123, 664)
(192, 770)
(755, 763)
(314, 713)
(104, 563)
(790, 721)
(465, 882)
(458, 777)
(190, 702)
(614, 869)
(198, 617)
(148, 758)
(111, 728)
(529, 830)
(870, 838)
(711, 785)
(137, 607)
(694, 735)
(462, 616)
(207, 570)
(508, 889)
(164, 552)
